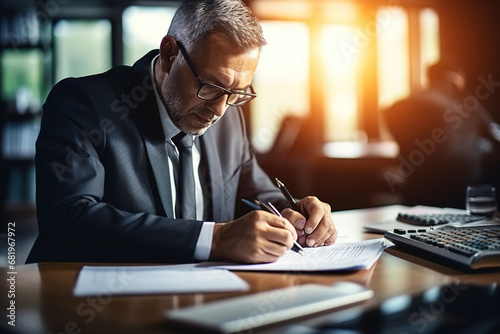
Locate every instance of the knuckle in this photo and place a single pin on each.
(331, 228)
(258, 214)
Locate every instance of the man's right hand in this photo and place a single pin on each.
(257, 237)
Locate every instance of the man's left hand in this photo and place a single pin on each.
(318, 229)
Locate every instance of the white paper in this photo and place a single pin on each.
(343, 256)
(126, 280)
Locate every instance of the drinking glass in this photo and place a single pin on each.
(481, 200)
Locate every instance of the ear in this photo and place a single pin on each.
(168, 52)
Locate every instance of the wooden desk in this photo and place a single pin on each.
(45, 304)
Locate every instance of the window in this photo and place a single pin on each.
(82, 47)
(340, 83)
(393, 56)
(362, 59)
(429, 42)
(143, 30)
(22, 80)
(281, 80)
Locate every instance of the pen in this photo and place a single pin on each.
(250, 204)
(296, 246)
(287, 195)
(264, 206)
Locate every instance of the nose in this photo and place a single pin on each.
(218, 107)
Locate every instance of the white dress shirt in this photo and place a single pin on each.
(204, 243)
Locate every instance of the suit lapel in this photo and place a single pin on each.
(148, 118)
(215, 172)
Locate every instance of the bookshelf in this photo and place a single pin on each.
(25, 76)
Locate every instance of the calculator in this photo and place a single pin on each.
(431, 219)
(469, 248)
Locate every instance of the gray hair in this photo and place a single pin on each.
(194, 20)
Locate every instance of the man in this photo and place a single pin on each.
(446, 143)
(107, 155)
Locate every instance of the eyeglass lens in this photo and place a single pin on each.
(209, 92)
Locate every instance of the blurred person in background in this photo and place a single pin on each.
(447, 140)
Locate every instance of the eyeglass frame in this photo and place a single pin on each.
(202, 83)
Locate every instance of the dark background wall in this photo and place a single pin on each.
(470, 31)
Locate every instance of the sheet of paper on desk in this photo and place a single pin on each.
(341, 256)
(175, 279)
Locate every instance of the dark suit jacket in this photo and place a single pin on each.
(103, 188)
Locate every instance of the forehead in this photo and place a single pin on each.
(217, 60)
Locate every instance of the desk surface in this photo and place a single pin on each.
(45, 304)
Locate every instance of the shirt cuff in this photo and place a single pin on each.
(204, 244)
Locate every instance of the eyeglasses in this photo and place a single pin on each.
(211, 92)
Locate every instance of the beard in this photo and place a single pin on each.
(174, 106)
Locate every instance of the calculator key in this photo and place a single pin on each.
(399, 231)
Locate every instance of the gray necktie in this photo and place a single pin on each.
(186, 201)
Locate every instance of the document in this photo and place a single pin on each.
(172, 279)
(339, 256)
